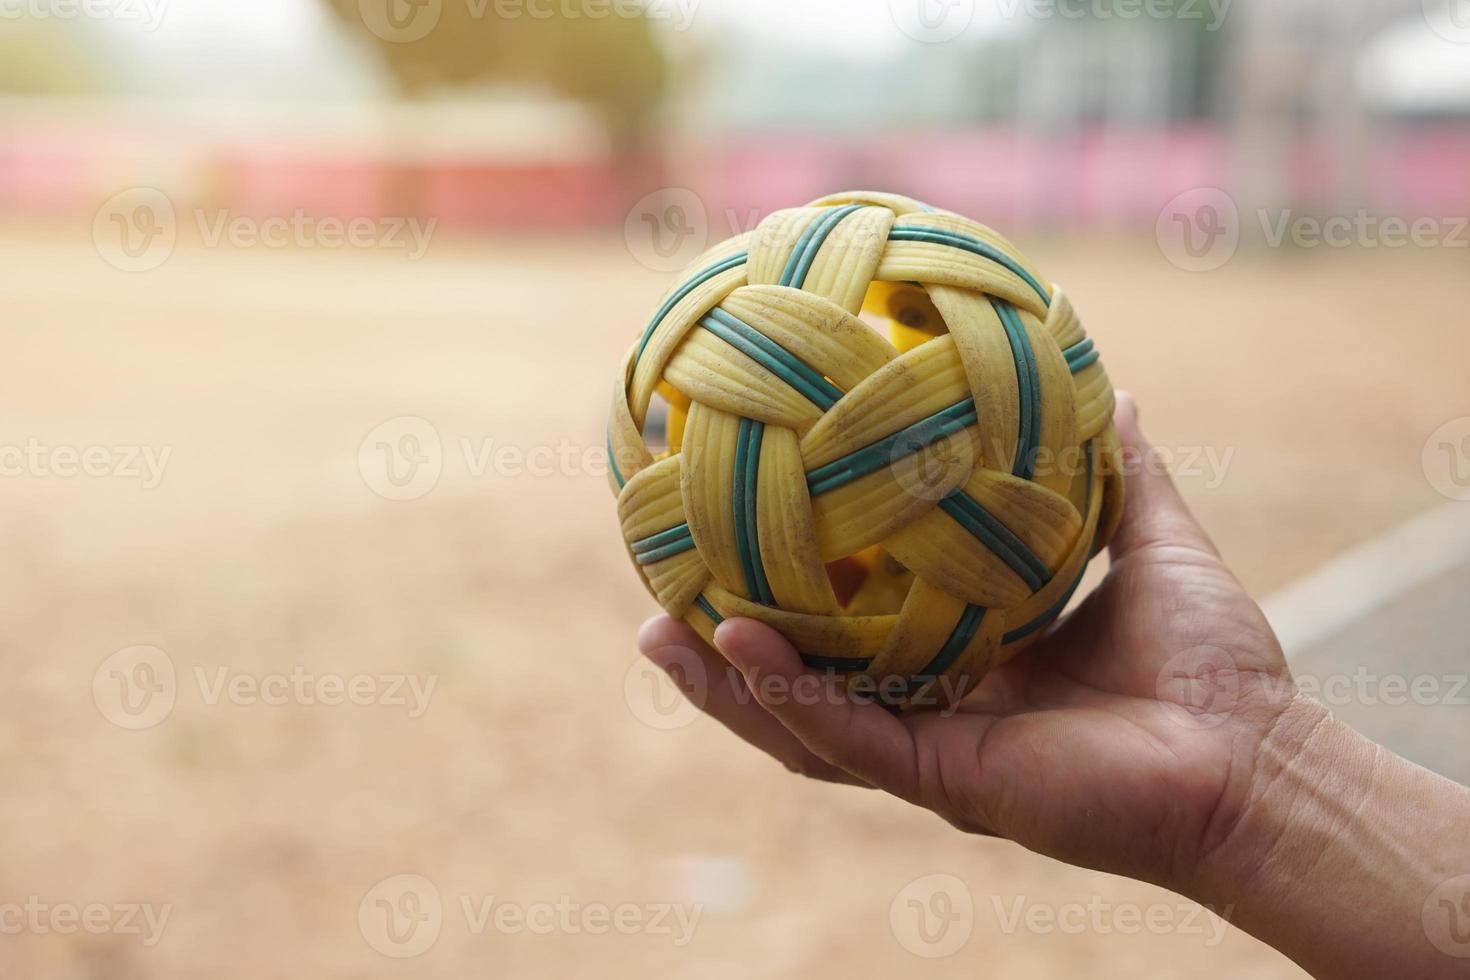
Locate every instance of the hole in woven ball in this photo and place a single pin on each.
(656, 425)
(904, 313)
(847, 576)
(869, 583)
(663, 426)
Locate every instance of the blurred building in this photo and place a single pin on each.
(1321, 105)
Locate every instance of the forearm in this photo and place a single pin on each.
(1341, 859)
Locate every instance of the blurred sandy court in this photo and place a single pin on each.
(523, 772)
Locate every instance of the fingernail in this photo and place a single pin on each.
(1127, 403)
(645, 631)
(730, 651)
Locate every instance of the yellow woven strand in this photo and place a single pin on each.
(1044, 519)
(907, 390)
(896, 203)
(677, 323)
(772, 243)
(829, 339)
(873, 508)
(851, 637)
(845, 265)
(924, 623)
(712, 372)
(649, 504)
(627, 451)
(1058, 407)
(980, 341)
(788, 530)
(1062, 322)
(946, 555)
(706, 480)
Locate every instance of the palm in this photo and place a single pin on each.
(1122, 718)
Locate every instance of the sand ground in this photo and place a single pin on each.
(529, 779)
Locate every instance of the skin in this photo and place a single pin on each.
(1155, 732)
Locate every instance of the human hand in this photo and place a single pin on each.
(1154, 732)
(1125, 740)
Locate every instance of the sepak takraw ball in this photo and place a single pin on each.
(887, 436)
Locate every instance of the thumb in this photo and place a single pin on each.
(1154, 515)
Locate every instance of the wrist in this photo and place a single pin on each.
(1336, 850)
(1308, 777)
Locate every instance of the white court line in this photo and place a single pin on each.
(1369, 576)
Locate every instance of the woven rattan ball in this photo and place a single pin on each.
(886, 436)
